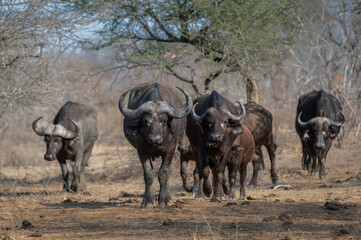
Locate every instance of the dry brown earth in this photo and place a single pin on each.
(115, 182)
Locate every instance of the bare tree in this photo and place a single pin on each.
(32, 35)
(327, 55)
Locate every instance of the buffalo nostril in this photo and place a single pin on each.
(155, 140)
(49, 157)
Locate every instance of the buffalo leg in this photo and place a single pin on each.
(76, 185)
(206, 171)
(200, 193)
(196, 180)
(184, 174)
(314, 165)
(217, 183)
(163, 178)
(256, 167)
(65, 175)
(322, 161)
(84, 163)
(260, 157)
(218, 173)
(224, 183)
(242, 177)
(271, 149)
(232, 175)
(304, 155)
(148, 180)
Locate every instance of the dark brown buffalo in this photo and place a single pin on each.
(318, 121)
(154, 124)
(259, 121)
(243, 152)
(71, 136)
(212, 128)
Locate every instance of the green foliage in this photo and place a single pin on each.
(232, 34)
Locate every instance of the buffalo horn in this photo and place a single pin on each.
(337, 124)
(180, 113)
(37, 129)
(150, 106)
(194, 115)
(302, 124)
(61, 131)
(134, 114)
(237, 117)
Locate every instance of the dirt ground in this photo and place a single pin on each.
(32, 206)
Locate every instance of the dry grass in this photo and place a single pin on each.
(116, 183)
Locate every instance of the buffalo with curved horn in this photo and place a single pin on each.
(212, 128)
(318, 121)
(154, 124)
(71, 136)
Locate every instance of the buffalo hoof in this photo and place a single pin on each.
(232, 196)
(188, 187)
(207, 189)
(164, 204)
(218, 198)
(323, 176)
(199, 197)
(243, 196)
(226, 190)
(275, 181)
(253, 183)
(146, 205)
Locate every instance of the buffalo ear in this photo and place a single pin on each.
(305, 136)
(236, 128)
(169, 122)
(237, 148)
(131, 130)
(333, 132)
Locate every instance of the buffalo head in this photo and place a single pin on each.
(217, 123)
(319, 130)
(54, 136)
(155, 117)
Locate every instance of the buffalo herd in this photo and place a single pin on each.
(210, 130)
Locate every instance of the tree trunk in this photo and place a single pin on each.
(252, 88)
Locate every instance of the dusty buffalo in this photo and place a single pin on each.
(259, 122)
(71, 136)
(212, 128)
(154, 124)
(242, 152)
(318, 121)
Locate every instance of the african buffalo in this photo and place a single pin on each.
(71, 136)
(212, 127)
(242, 152)
(154, 124)
(259, 121)
(318, 121)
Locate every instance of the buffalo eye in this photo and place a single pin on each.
(147, 122)
(164, 121)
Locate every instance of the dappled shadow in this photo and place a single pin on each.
(255, 219)
(18, 194)
(76, 204)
